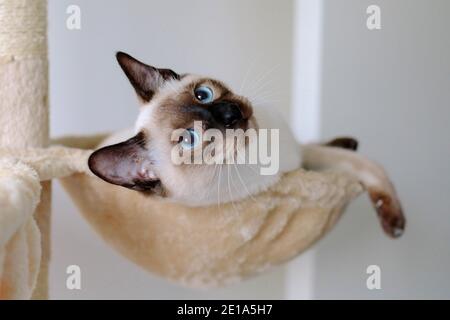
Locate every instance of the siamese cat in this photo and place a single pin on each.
(190, 106)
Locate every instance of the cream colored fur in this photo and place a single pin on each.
(198, 247)
(208, 184)
(218, 244)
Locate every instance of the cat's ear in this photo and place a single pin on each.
(126, 164)
(145, 79)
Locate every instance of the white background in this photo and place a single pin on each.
(389, 88)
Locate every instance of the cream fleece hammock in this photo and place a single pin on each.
(199, 247)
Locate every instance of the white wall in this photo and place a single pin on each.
(231, 40)
(391, 89)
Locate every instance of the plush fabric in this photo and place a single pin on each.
(20, 248)
(216, 245)
(20, 196)
(198, 247)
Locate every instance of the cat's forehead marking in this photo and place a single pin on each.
(170, 88)
(168, 107)
(189, 82)
(174, 87)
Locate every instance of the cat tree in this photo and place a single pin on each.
(24, 122)
(198, 247)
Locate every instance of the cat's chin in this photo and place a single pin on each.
(221, 192)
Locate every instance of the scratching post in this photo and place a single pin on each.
(24, 122)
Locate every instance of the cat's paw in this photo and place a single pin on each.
(389, 212)
(344, 143)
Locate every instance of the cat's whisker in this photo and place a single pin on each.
(262, 94)
(212, 179)
(249, 166)
(262, 87)
(181, 96)
(218, 186)
(265, 101)
(261, 80)
(263, 77)
(247, 74)
(229, 190)
(234, 186)
(267, 92)
(243, 184)
(265, 98)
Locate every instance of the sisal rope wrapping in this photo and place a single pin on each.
(23, 28)
(24, 122)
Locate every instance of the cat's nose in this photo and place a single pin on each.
(227, 113)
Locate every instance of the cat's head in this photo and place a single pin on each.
(177, 109)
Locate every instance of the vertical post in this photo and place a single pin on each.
(24, 120)
(306, 92)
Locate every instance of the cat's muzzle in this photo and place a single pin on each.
(227, 113)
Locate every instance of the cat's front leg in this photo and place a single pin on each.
(339, 155)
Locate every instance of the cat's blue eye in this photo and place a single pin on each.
(190, 139)
(204, 94)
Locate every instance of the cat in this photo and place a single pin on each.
(192, 106)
